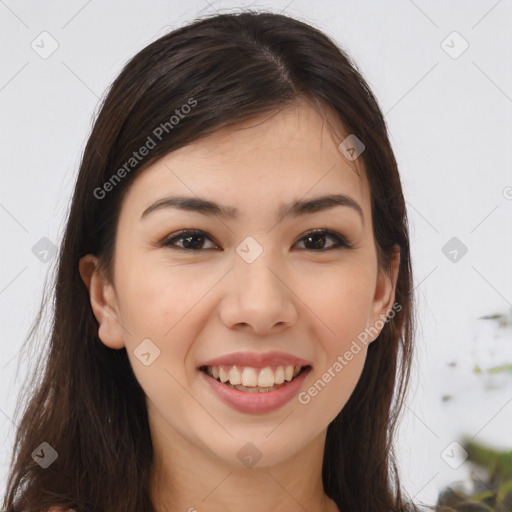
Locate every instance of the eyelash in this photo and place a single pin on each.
(342, 242)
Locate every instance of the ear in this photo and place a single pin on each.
(384, 297)
(103, 302)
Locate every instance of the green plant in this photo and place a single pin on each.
(491, 495)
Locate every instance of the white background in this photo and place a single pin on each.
(450, 121)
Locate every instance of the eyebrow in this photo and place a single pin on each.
(295, 209)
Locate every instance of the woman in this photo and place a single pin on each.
(233, 313)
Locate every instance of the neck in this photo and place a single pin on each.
(184, 478)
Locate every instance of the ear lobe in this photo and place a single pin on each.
(103, 302)
(384, 297)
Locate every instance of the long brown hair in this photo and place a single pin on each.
(87, 404)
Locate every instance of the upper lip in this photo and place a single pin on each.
(257, 360)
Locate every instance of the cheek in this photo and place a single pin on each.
(160, 306)
(328, 392)
(163, 304)
(155, 297)
(341, 298)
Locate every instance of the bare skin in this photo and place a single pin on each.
(197, 304)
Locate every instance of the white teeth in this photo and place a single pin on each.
(235, 377)
(249, 377)
(254, 377)
(266, 378)
(224, 377)
(288, 373)
(279, 375)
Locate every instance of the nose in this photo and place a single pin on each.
(259, 297)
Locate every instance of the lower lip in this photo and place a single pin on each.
(256, 402)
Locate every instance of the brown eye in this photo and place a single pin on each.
(316, 240)
(192, 240)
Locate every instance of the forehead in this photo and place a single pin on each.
(270, 159)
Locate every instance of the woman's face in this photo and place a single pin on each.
(251, 285)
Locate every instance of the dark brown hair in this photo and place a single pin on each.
(87, 404)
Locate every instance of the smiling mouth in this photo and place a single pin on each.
(254, 380)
